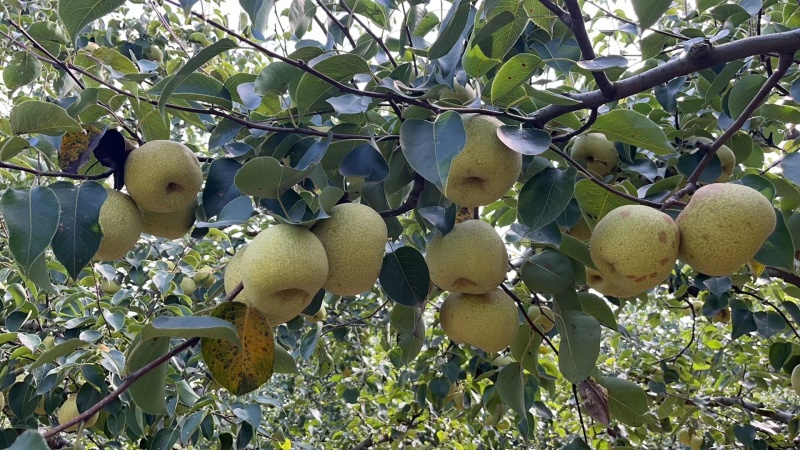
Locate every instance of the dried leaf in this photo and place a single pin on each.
(595, 400)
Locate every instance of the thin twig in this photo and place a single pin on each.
(580, 413)
(411, 200)
(360, 319)
(43, 173)
(338, 23)
(585, 44)
(369, 31)
(584, 127)
(527, 318)
(691, 339)
(771, 305)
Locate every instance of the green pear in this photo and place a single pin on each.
(487, 321)
(188, 286)
(121, 223)
(163, 176)
(354, 238)
(471, 258)
(110, 287)
(318, 316)
(486, 169)
(543, 317)
(283, 268)
(233, 275)
(795, 379)
(723, 226)
(603, 285)
(170, 225)
(69, 411)
(635, 247)
(204, 277)
(2, 401)
(685, 436)
(599, 154)
(726, 158)
(697, 443)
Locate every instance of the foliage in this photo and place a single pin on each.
(297, 105)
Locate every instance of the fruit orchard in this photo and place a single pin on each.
(354, 224)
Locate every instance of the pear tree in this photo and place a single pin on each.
(451, 224)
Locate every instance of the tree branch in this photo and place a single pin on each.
(42, 173)
(562, 15)
(527, 318)
(585, 44)
(369, 31)
(411, 200)
(337, 22)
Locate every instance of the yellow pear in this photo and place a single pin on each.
(354, 238)
(318, 316)
(283, 268)
(723, 226)
(471, 258)
(486, 169)
(726, 158)
(163, 176)
(796, 379)
(170, 225)
(204, 277)
(635, 247)
(233, 275)
(121, 223)
(598, 153)
(69, 411)
(487, 321)
(603, 285)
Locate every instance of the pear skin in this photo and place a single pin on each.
(486, 321)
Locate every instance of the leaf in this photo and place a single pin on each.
(220, 188)
(627, 401)
(191, 326)
(525, 349)
(312, 92)
(595, 202)
(63, 349)
(78, 235)
(527, 141)
(545, 195)
(23, 68)
(778, 250)
(366, 162)
(350, 104)
(603, 63)
(76, 14)
(284, 363)
(517, 70)
(430, 147)
(595, 400)
(580, 343)
(511, 388)
(197, 61)
(114, 60)
(404, 276)
(30, 440)
(451, 29)
(35, 116)
(32, 220)
(266, 177)
(769, 323)
(790, 166)
(241, 370)
(743, 91)
(597, 307)
(649, 11)
(301, 12)
(258, 11)
(12, 147)
(630, 127)
(149, 391)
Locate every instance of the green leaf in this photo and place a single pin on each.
(598, 307)
(149, 391)
(649, 11)
(527, 141)
(580, 343)
(203, 56)
(548, 272)
(552, 98)
(525, 348)
(258, 11)
(595, 202)
(23, 68)
(545, 195)
(78, 235)
(76, 14)
(451, 30)
(266, 177)
(196, 86)
(511, 387)
(743, 91)
(312, 92)
(627, 401)
(405, 277)
(778, 250)
(35, 116)
(63, 349)
(30, 440)
(32, 219)
(576, 249)
(12, 147)
(113, 59)
(430, 147)
(220, 188)
(630, 127)
(189, 327)
(284, 363)
(514, 72)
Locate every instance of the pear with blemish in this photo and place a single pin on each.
(634, 248)
(603, 285)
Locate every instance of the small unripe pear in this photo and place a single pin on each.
(69, 411)
(697, 442)
(599, 154)
(685, 436)
(318, 316)
(723, 226)
(726, 157)
(110, 287)
(723, 316)
(796, 379)
(188, 286)
(543, 317)
(204, 277)
(486, 321)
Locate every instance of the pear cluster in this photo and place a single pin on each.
(470, 262)
(285, 266)
(162, 179)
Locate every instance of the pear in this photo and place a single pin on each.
(486, 169)
(170, 225)
(2, 401)
(69, 411)
(634, 247)
(188, 286)
(726, 158)
(121, 223)
(318, 316)
(471, 258)
(697, 443)
(110, 287)
(796, 379)
(685, 436)
(283, 268)
(487, 321)
(599, 154)
(543, 317)
(163, 176)
(603, 285)
(204, 277)
(233, 275)
(723, 226)
(723, 316)
(354, 238)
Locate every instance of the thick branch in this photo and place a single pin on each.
(786, 42)
(562, 15)
(585, 44)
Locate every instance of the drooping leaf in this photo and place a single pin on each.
(511, 387)
(451, 29)
(63, 349)
(630, 127)
(78, 235)
(76, 14)
(545, 195)
(149, 391)
(404, 276)
(430, 147)
(258, 11)
(191, 326)
(778, 250)
(595, 399)
(366, 162)
(36, 116)
(220, 188)
(32, 220)
(649, 11)
(580, 343)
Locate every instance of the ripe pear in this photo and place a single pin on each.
(233, 275)
(283, 268)
(599, 153)
(471, 258)
(204, 277)
(188, 286)
(487, 321)
(69, 411)
(723, 226)
(726, 158)
(170, 225)
(635, 247)
(163, 176)
(795, 379)
(110, 287)
(486, 169)
(603, 285)
(354, 239)
(121, 223)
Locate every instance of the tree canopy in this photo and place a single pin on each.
(585, 116)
